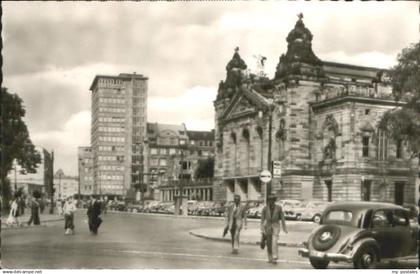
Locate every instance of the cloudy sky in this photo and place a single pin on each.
(52, 51)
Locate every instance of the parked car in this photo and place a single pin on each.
(362, 233)
(289, 207)
(151, 207)
(118, 206)
(191, 205)
(255, 212)
(204, 208)
(135, 207)
(310, 211)
(218, 209)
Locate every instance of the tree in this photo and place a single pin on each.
(205, 168)
(15, 143)
(403, 124)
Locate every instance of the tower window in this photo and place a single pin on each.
(399, 150)
(365, 147)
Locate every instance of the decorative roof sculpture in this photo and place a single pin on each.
(235, 75)
(236, 62)
(299, 50)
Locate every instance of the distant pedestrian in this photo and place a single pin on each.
(104, 205)
(59, 207)
(34, 212)
(94, 212)
(68, 209)
(41, 205)
(13, 218)
(21, 205)
(271, 216)
(235, 218)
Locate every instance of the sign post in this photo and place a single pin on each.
(265, 177)
(277, 169)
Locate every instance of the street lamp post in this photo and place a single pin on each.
(15, 165)
(181, 180)
(270, 129)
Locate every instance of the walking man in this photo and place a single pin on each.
(94, 212)
(68, 209)
(34, 210)
(270, 227)
(235, 217)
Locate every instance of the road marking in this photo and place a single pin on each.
(205, 256)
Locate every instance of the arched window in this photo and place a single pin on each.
(246, 138)
(234, 152)
(259, 162)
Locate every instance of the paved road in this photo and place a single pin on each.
(133, 241)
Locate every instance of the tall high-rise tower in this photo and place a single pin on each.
(119, 110)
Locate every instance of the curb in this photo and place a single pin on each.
(252, 220)
(241, 241)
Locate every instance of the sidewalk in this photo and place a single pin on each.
(298, 233)
(44, 218)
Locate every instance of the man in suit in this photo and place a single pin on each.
(270, 227)
(235, 218)
(94, 212)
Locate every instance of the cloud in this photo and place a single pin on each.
(194, 108)
(65, 141)
(53, 50)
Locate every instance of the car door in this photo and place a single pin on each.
(405, 236)
(383, 232)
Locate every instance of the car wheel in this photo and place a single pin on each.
(319, 263)
(299, 217)
(317, 219)
(366, 258)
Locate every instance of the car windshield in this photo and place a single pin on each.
(340, 217)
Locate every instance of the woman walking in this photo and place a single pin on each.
(68, 209)
(14, 212)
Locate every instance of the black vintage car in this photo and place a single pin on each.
(362, 233)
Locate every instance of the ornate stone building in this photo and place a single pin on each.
(172, 154)
(324, 130)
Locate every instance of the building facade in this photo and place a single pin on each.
(172, 156)
(65, 186)
(85, 169)
(119, 115)
(318, 120)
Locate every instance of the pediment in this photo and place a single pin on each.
(242, 107)
(244, 103)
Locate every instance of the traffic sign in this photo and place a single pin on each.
(265, 176)
(276, 169)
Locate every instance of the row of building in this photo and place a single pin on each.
(173, 155)
(318, 120)
(45, 180)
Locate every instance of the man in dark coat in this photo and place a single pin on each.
(94, 212)
(34, 212)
